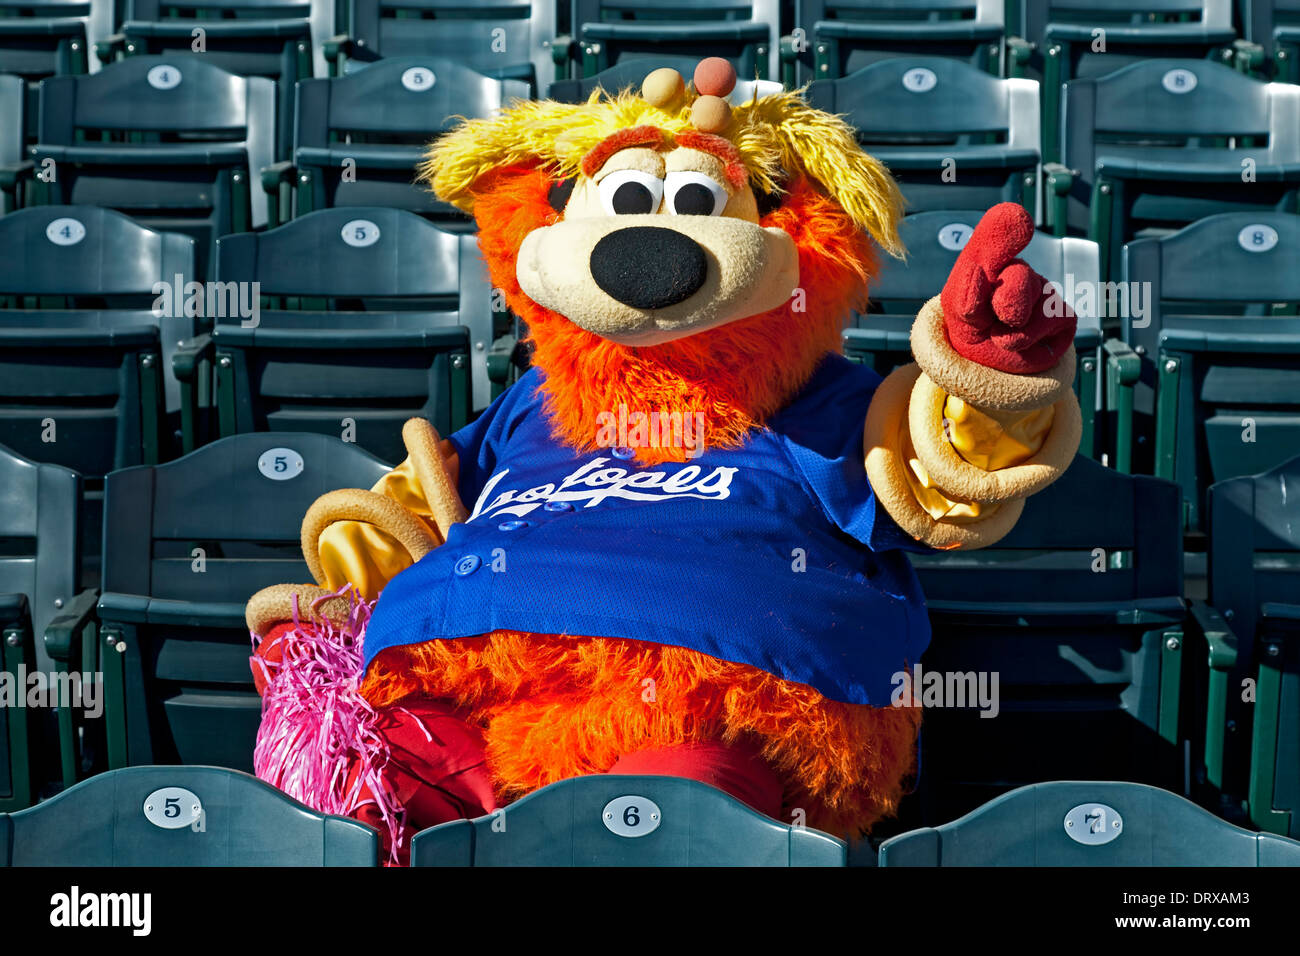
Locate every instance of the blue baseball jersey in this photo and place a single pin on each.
(775, 554)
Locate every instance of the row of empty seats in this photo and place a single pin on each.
(205, 816)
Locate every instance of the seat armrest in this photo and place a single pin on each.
(1019, 51)
(1247, 56)
(340, 47)
(62, 633)
(107, 49)
(1126, 363)
(186, 358)
(1219, 636)
(1060, 180)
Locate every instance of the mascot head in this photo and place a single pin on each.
(668, 252)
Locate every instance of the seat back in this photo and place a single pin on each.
(842, 36)
(954, 136)
(81, 354)
(381, 119)
(180, 816)
(1209, 119)
(47, 37)
(173, 140)
(277, 39)
(1062, 632)
(1220, 388)
(614, 820)
(745, 32)
(390, 310)
(1074, 823)
(185, 546)
(1254, 573)
(39, 537)
(502, 38)
(1267, 21)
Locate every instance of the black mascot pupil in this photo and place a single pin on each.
(633, 199)
(693, 200)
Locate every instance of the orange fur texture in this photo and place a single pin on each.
(554, 706)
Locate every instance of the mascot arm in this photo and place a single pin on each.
(365, 538)
(986, 416)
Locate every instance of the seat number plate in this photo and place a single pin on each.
(631, 816)
(172, 808)
(1093, 824)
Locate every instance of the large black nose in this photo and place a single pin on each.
(648, 267)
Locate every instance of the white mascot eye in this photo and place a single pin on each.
(630, 192)
(694, 194)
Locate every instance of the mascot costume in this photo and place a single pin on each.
(677, 545)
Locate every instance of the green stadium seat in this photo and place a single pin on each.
(360, 136)
(505, 39)
(170, 140)
(953, 136)
(1255, 587)
(1079, 615)
(38, 576)
(613, 820)
(881, 338)
(376, 315)
(82, 348)
(839, 37)
(1063, 40)
(746, 32)
(1219, 392)
(185, 546)
(631, 73)
(1162, 143)
(180, 816)
(266, 38)
(1075, 823)
(40, 38)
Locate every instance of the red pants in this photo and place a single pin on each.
(437, 769)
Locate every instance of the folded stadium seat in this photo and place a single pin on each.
(1271, 45)
(606, 32)
(833, 38)
(38, 576)
(15, 168)
(953, 136)
(631, 73)
(40, 38)
(1255, 587)
(85, 340)
(505, 39)
(185, 545)
(376, 316)
(180, 816)
(1218, 350)
(882, 337)
(170, 140)
(1157, 145)
(614, 820)
(266, 38)
(1063, 40)
(1073, 823)
(360, 136)
(1078, 615)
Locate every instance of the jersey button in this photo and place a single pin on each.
(512, 525)
(467, 565)
(558, 506)
(623, 453)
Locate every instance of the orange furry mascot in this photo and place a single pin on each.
(677, 545)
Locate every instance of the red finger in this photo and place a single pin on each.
(1015, 300)
(1000, 235)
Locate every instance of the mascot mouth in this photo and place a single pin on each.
(636, 280)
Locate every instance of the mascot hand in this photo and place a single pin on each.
(997, 311)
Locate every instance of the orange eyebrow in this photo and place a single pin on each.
(723, 149)
(623, 139)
